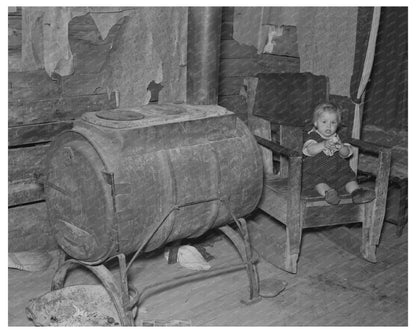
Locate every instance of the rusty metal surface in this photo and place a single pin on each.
(109, 182)
(203, 55)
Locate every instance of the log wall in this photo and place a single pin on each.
(142, 45)
(39, 108)
(239, 60)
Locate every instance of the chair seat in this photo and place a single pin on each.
(316, 211)
(279, 186)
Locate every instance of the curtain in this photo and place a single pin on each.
(368, 19)
(386, 98)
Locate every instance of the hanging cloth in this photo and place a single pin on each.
(368, 19)
(386, 94)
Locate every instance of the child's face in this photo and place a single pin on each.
(327, 123)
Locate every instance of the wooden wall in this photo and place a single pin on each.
(143, 45)
(39, 108)
(239, 60)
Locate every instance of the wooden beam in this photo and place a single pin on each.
(228, 14)
(32, 85)
(83, 84)
(231, 49)
(29, 229)
(318, 216)
(290, 137)
(263, 64)
(25, 162)
(25, 192)
(230, 86)
(15, 32)
(23, 112)
(235, 103)
(28, 134)
(258, 126)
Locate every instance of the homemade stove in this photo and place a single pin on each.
(130, 181)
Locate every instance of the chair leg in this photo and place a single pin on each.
(293, 242)
(370, 227)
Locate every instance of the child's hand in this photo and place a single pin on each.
(328, 144)
(332, 145)
(329, 148)
(344, 151)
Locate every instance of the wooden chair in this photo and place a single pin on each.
(283, 198)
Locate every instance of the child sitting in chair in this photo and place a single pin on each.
(325, 166)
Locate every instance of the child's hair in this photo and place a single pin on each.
(326, 107)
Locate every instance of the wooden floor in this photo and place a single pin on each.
(333, 287)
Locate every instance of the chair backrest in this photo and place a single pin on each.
(286, 100)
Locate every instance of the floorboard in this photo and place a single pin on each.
(333, 287)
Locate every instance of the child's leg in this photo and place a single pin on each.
(351, 186)
(322, 188)
(331, 195)
(359, 195)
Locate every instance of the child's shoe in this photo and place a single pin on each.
(361, 195)
(331, 197)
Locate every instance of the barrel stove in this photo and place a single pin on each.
(178, 169)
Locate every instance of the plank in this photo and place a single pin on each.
(25, 192)
(230, 86)
(14, 11)
(37, 133)
(228, 14)
(235, 103)
(317, 216)
(231, 49)
(341, 291)
(258, 126)
(65, 108)
(292, 138)
(14, 60)
(344, 238)
(29, 229)
(264, 64)
(15, 33)
(372, 304)
(83, 84)
(268, 239)
(25, 162)
(32, 85)
(227, 30)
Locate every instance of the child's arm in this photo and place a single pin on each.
(345, 149)
(312, 148)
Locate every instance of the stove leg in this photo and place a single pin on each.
(118, 294)
(62, 256)
(124, 286)
(242, 244)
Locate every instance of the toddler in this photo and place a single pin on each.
(325, 166)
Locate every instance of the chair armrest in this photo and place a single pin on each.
(294, 179)
(378, 207)
(369, 147)
(276, 148)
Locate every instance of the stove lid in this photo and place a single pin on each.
(153, 115)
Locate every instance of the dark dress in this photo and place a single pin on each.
(332, 170)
